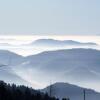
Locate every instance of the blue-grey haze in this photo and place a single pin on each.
(50, 17)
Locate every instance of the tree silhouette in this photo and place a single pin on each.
(65, 99)
(13, 92)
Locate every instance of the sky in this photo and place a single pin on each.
(49, 17)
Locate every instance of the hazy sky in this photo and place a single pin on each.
(50, 17)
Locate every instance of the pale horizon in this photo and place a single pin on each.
(19, 43)
(30, 38)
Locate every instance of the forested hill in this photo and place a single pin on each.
(13, 92)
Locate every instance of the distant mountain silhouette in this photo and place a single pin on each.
(52, 42)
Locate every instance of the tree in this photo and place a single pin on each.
(65, 99)
(13, 92)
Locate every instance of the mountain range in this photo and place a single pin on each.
(77, 66)
(52, 42)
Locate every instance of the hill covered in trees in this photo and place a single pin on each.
(13, 92)
(74, 92)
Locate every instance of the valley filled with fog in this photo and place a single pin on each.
(43, 60)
